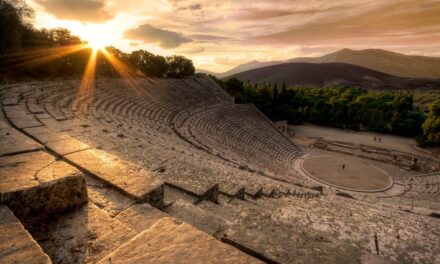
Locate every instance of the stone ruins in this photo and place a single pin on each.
(173, 171)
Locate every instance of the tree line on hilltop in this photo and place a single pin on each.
(46, 53)
(345, 108)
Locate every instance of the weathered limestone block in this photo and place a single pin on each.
(20, 118)
(36, 185)
(3, 125)
(140, 217)
(16, 244)
(45, 135)
(106, 197)
(66, 146)
(13, 142)
(172, 241)
(197, 217)
(13, 100)
(258, 231)
(85, 235)
(130, 178)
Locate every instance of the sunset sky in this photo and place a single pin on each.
(218, 35)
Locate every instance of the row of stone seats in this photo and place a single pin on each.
(424, 187)
(230, 130)
(111, 237)
(156, 136)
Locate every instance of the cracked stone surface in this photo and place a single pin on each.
(13, 142)
(20, 118)
(197, 217)
(16, 244)
(67, 145)
(402, 237)
(107, 197)
(160, 244)
(126, 176)
(85, 235)
(45, 135)
(35, 185)
(140, 217)
(287, 242)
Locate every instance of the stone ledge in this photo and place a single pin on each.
(35, 185)
(172, 241)
(13, 142)
(85, 235)
(140, 217)
(130, 178)
(16, 244)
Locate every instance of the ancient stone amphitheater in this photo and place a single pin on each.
(173, 171)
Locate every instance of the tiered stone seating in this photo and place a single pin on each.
(225, 168)
(241, 133)
(149, 118)
(423, 187)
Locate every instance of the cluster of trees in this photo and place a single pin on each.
(431, 126)
(345, 108)
(48, 53)
(152, 65)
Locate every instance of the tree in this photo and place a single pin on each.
(14, 22)
(235, 88)
(431, 126)
(275, 93)
(179, 67)
(149, 64)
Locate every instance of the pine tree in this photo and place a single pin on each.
(275, 93)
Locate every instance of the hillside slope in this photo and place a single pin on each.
(314, 74)
(380, 60)
(384, 61)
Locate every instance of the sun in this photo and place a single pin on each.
(96, 42)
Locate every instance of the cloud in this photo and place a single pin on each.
(406, 22)
(191, 7)
(195, 50)
(149, 34)
(93, 11)
(208, 38)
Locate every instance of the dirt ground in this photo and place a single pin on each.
(347, 172)
(304, 132)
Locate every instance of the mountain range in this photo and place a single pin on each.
(375, 59)
(339, 74)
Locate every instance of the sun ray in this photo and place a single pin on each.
(125, 71)
(88, 81)
(25, 60)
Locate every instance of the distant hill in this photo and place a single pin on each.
(247, 66)
(342, 74)
(380, 60)
(384, 61)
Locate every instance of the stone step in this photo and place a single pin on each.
(13, 142)
(85, 235)
(133, 180)
(222, 212)
(16, 244)
(18, 116)
(197, 217)
(171, 241)
(264, 233)
(59, 143)
(140, 217)
(35, 185)
(172, 194)
(107, 197)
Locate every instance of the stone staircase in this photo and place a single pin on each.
(46, 180)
